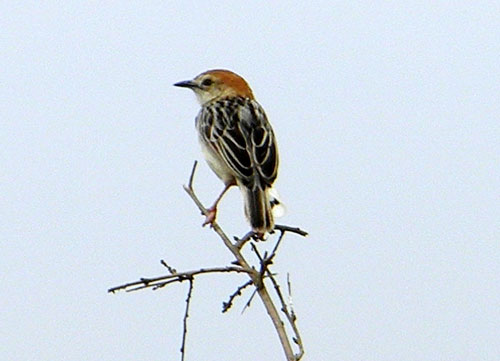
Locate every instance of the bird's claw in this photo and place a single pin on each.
(210, 216)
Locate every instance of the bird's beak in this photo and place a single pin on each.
(187, 84)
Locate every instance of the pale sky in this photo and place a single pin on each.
(387, 118)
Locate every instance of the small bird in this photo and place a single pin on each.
(238, 143)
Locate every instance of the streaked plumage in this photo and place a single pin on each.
(237, 141)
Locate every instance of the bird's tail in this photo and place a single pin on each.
(258, 209)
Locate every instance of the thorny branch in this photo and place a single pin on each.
(240, 265)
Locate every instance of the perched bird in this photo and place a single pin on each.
(237, 142)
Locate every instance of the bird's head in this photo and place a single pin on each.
(217, 84)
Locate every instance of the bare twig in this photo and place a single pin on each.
(265, 261)
(186, 315)
(278, 227)
(290, 314)
(227, 305)
(292, 318)
(290, 301)
(215, 226)
(297, 230)
(170, 269)
(250, 299)
(191, 177)
(241, 241)
(278, 242)
(159, 282)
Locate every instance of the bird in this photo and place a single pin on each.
(238, 143)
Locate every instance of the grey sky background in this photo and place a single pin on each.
(387, 118)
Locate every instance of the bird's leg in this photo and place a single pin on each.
(212, 211)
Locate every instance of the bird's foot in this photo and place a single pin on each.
(258, 236)
(210, 216)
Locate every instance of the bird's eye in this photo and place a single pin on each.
(207, 82)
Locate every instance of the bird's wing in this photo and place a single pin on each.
(239, 131)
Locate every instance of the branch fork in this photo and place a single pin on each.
(257, 277)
